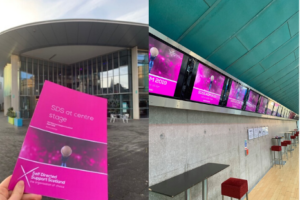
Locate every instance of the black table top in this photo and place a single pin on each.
(182, 182)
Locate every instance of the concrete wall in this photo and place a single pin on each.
(180, 140)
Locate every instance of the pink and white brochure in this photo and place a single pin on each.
(64, 154)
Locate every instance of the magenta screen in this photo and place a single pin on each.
(252, 101)
(164, 68)
(270, 107)
(236, 95)
(262, 105)
(208, 85)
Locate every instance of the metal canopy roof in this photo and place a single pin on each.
(255, 41)
(71, 32)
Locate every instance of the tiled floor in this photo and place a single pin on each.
(127, 156)
(280, 184)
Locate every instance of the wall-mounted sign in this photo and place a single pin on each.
(260, 132)
(267, 130)
(256, 132)
(264, 131)
(250, 134)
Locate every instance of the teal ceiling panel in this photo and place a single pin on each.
(258, 29)
(297, 53)
(228, 53)
(174, 17)
(210, 2)
(256, 41)
(279, 54)
(220, 24)
(294, 24)
(259, 52)
(293, 73)
(286, 70)
(275, 68)
(251, 73)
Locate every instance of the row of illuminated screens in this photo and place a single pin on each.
(209, 86)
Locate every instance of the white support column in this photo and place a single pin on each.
(135, 83)
(15, 94)
(7, 87)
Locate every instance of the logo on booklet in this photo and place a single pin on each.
(26, 173)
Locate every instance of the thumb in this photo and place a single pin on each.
(18, 191)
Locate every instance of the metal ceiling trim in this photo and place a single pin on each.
(159, 101)
(189, 52)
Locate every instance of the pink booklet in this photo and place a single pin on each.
(64, 154)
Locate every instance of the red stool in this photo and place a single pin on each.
(278, 149)
(289, 145)
(234, 188)
(284, 144)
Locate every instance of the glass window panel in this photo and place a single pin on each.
(124, 55)
(94, 76)
(69, 77)
(104, 75)
(35, 77)
(110, 66)
(23, 77)
(59, 74)
(50, 71)
(30, 78)
(84, 77)
(123, 70)
(41, 75)
(124, 84)
(46, 72)
(89, 76)
(110, 82)
(99, 75)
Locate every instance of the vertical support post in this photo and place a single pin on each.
(15, 95)
(135, 83)
(187, 194)
(204, 190)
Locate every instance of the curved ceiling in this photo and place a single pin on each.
(255, 41)
(70, 54)
(53, 33)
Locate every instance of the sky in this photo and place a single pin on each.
(18, 12)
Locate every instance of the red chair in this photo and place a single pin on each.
(293, 138)
(278, 149)
(234, 188)
(289, 145)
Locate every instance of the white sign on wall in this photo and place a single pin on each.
(255, 132)
(267, 130)
(250, 134)
(264, 131)
(260, 132)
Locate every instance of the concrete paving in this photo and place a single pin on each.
(127, 156)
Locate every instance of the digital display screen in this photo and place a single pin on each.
(236, 95)
(270, 107)
(252, 101)
(292, 115)
(276, 105)
(279, 111)
(208, 85)
(262, 105)
(164, 67)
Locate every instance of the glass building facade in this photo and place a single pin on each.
(108, 76)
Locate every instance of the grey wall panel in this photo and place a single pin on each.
(48, 33)
(181, 140)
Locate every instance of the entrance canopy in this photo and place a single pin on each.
(29, 38)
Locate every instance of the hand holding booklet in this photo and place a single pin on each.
(64, 154)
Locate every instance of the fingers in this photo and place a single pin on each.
(31, 197)
(4, 189)
(18, 191)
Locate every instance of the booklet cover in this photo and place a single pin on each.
(64, 154)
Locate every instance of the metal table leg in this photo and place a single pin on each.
(204, 190)
(187, 194)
